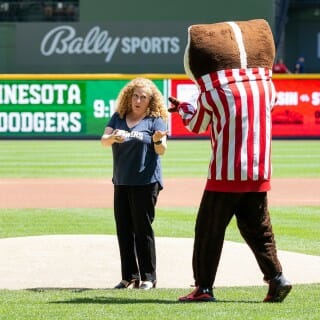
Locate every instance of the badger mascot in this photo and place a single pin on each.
(231, 63)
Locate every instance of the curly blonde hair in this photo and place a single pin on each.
(156, 108)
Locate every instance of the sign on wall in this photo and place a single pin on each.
(116, 47)
(295, 115)
(40, 108)
(297, 112)
(62, 108)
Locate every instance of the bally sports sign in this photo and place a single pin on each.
(116, 47)
(65, 40)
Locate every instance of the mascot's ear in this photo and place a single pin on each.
(228, 45)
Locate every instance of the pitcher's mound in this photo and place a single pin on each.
(92, 261)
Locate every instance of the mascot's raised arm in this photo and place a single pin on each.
(231, 64)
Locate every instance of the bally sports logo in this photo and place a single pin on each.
(65, 40)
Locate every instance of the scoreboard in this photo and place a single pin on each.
(58, 108)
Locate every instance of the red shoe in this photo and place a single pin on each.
(199, 294)
(279, 288)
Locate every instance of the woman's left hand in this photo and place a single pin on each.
(158, 135)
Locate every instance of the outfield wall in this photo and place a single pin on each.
(117, 36)
(78, 106)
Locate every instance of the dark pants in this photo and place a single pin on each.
(253, 220)
(134, 210)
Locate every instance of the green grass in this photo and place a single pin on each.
(291, 234)
(36, 159)
(296, 158)
(161, 304)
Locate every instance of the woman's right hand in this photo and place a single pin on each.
(113, 136)
(119, 136)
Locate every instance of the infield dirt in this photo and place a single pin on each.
(98, 193)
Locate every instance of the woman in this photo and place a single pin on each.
(137, 133)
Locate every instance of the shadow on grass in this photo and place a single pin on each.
(113, 300)
(126, 300)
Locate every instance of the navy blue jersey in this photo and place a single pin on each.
(135, 161)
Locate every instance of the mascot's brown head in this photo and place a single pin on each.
(228, 45)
